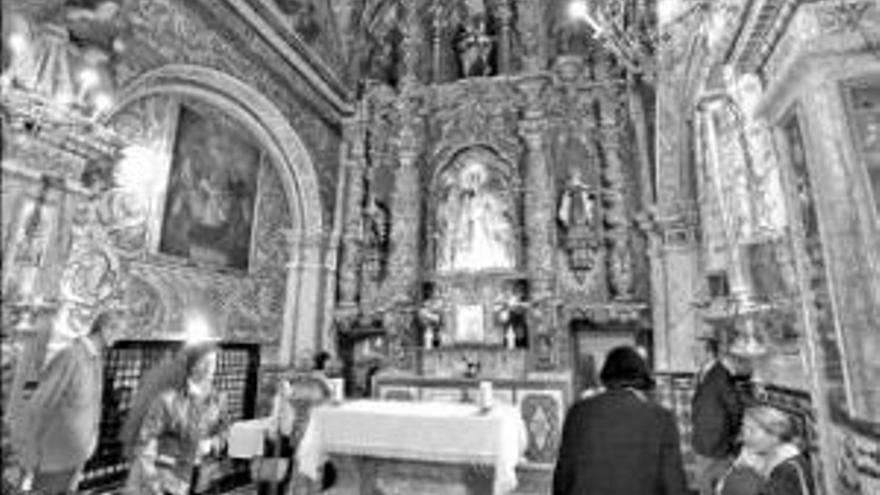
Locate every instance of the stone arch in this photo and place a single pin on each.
(294, 165)
(258, 114)
(444, 157)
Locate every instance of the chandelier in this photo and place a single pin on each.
(56, 74)
(614, 24)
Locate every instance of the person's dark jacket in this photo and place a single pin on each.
(716, 412)
(791, 477)
(618, 443)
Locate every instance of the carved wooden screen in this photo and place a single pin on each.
(237, 368)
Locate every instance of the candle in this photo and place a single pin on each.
(486, 396)
(337, 389)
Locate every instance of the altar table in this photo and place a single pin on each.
(417, 431)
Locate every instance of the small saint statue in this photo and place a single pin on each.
(510, 338)
(475, 48)
(430, 318)
(577, 205)
(512, 313)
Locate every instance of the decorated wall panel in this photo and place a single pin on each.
(810, 253)
(507, 206)
(250, 301)
(211, 35)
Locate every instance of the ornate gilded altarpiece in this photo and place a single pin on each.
(487, 210)
(494, 170)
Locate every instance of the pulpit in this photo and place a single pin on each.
(409, 447)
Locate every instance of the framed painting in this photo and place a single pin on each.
(211, 192)
(469, 323)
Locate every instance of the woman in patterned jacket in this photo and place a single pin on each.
(176, 424)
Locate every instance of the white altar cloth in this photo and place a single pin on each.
(421, 431)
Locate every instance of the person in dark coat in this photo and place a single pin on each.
(716, 412)
(619, 442)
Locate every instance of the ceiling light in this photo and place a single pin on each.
(103, 102)
(89, 77)
(18, 42)
(578, 9)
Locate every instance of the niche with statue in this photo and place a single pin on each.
(474, 308)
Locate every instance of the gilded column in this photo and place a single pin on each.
(411, 43)
(405, 216)
(505, 15)
(539, 208)
(354, 167)
(616, 217)
(640, 125)
(405, 222)
(531, 33)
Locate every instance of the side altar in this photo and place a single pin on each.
(495, 215)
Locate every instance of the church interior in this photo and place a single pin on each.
(445, 196)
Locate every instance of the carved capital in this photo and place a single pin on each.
(568, 68)
(504, 12)
(407, 143)
(355, 141)
(611, 139)
(346, 318)
(532, 132)
(532, 88)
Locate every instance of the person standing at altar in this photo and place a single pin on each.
(59, 426)
(277, 444)
(619, 442)
(716, 411)
(177, 424)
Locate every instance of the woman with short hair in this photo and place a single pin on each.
(620, 442)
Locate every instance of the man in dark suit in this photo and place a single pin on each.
(716, 412)
(619, 442)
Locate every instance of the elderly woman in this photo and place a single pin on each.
(176, 424)
(771, 462)
(772, 434)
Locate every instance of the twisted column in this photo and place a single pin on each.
(406, 221)
(354, 168)
(619, 256)
(505, 15)
(538, 219)
(406, 216)
(412, 36)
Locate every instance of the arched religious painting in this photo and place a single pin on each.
(211, 190)
(474, 215)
